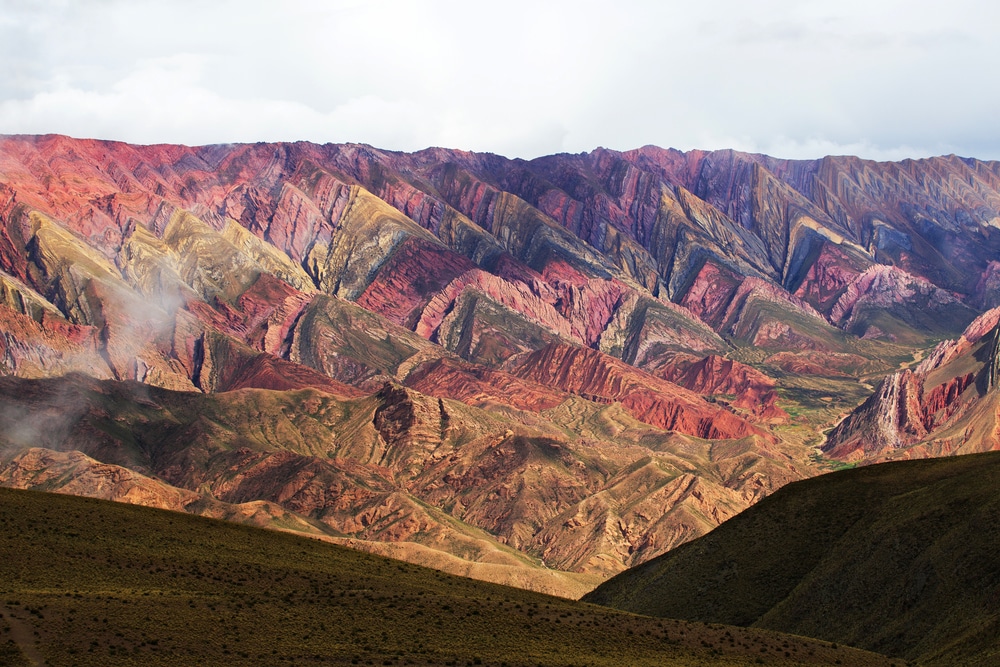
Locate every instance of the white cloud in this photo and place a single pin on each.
(800, 78)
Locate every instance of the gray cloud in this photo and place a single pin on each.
(795, 78)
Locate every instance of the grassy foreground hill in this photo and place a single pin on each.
(90, 582)
(899, 558)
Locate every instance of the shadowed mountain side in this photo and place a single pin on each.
(897, 558)
(99, 583)
(259, 462)
(77, 474)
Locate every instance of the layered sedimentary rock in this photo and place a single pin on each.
(396, 466)
(585, 359)
(945, 405)
(596, 376)
(476, 385)
(871, 302)
(744, 385)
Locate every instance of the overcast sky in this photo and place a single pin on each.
(791, 78)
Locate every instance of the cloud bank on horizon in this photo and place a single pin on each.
(883, 79)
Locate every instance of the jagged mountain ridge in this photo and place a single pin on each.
(282, 191)
(578, 299)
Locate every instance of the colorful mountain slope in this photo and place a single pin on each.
(946, 404)
(436, 476)
(616, 351)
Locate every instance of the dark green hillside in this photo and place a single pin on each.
(88, 582)
(900, 558)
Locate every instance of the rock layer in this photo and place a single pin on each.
(945, 405)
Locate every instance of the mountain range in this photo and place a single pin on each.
(531, 372)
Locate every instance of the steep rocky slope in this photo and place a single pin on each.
(603, 378)
(946, 404)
